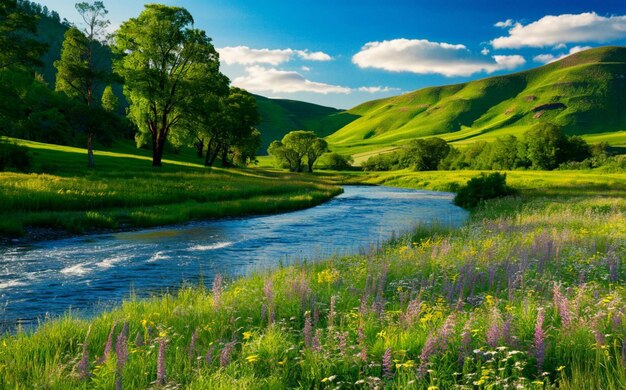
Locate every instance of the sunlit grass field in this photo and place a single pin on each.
(529, 294)
(124, 191)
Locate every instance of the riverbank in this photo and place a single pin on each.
(529, 293)
(124, 193)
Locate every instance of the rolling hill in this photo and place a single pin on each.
(280, 116)
(585, 93)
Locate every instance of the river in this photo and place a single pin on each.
(93, 273)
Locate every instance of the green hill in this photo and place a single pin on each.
(585, 93)
(280, 116)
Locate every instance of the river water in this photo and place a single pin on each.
(92, 273)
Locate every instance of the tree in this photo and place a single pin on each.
(110, 102)
(78, 73)
(161, 58)
(17, 37)
(294, 147)
(241, 117)
(425, 154)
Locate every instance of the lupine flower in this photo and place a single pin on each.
(387, 374)
(427, 351)
(317, 346)
(363, 354)
(308, 330)
(121, 350)
(539, 346)
(217, 290)
(161, 362)
(268, 292)
(436, 342)
(226, 354)
(331, 312)
(561, 305)
(494, 331)
(598, 331)
(263, 312)
(109, 345)
(342, 344)
(83, 365)
(209, 355)
(507, 331)
(192, 344)
(616, 322)
(466, 341)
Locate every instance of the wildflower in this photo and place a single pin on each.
(327, 276)
(121, 350)
(109, 345)
(317, 347)
(331, 311)
(217, 290)
(386, 364)
(436, 342)
(308, 337)
(192, 344)
(342, 338)
(562, 305)
(252, 358)
(560, 368)
(494, 332)
(83, 365)
(226, 353)
(247, 335)
(539, 339)
(209, 355)
(161, 362)
(382, 334)
(466, 340)
(329, 379)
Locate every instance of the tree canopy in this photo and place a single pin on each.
(17, 37)
(297, 148)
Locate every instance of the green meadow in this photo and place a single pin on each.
(526, 295)
(123, 192)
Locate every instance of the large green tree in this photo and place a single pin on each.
(297, 148)
(161, 58)
(18, 45)
(425, 154)
(79, 73)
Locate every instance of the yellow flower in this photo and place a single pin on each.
(162, 333)
(144, 322)
(433, 388)
(247, 335)
(538, 383)
(489, 300)
(382, 334)
(327, 276)
(252, 358)
(560, 368)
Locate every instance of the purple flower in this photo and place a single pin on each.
(363, 354)
(317, 347)
(435, 343)
(192, 344)
(109, 345)
(83, 365)
(121, 347)
(561, 305)
(268, 292)
(161, 362)
(342, 338)
(331, 312)
(308, 331)
(427, 351)
(226, 354)
(209, 354)
(539, 347)
(494, 332)
(598, 330)
(466, 341)
(217, 290)
(387, 374)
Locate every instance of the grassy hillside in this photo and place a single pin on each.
(280, 116)
(584, 93)
(124, 191)
(527, 295)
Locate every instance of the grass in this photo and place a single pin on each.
(529, 294)
(123, 191)
(589, 84)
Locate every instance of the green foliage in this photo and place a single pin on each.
(17, 37)
(297, 148)
(424, 154)
(110, 102)
(162, 59)
(547, 147)
(482, 188)
(13, 157)
(335, 161)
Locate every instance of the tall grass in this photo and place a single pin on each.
(529, 294)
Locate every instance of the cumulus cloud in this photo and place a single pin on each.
(505, 24)
(484, 51)
(567, 28)
(243, 55)
(424, 57)
(377, 89)
(262, 79)
(547, 58)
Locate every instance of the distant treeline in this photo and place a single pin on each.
(544, 147)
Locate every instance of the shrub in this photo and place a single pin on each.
(13, 157)
(336, 161)
(481, 188)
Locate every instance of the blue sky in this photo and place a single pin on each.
(342, 53)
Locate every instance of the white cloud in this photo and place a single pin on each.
(484, 51)
(567, 28)
(377, 89)
(244, 55)
(261, 79)
(305, 69)
(424, 57)
(547, 58)
(505, 24)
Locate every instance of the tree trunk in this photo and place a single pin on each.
(200, 147)
(207, 157)
(310, 167)
(158, 144)
(225, 162)
(214, 155)
(91, 162)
